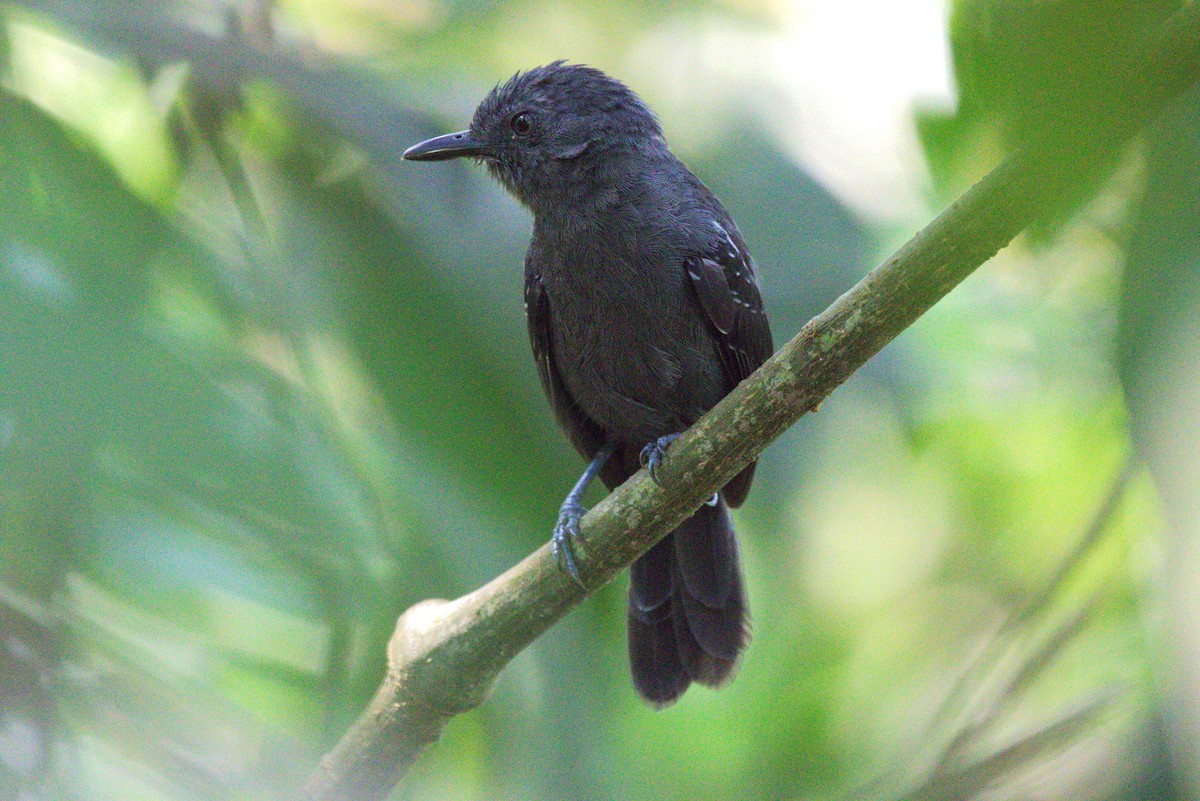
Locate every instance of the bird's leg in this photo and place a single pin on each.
(653, 453)
(566, 530)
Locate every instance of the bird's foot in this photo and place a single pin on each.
(653, 454)
(566, 533)
(566, 529)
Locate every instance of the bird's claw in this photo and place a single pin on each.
(566, 533)
(652, 454)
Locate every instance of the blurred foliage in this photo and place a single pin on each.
(1158, 353)
(263, 386)
(1022, 66)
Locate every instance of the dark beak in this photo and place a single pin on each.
(440, 148)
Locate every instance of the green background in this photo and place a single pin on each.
(263, 386)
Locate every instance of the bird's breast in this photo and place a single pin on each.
(630, 345)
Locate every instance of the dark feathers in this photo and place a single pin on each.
(687, 609)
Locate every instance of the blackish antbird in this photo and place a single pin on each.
(643, 311)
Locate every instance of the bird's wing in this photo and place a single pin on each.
(584, 433)
(727, 290)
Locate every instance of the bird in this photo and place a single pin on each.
(644, 310)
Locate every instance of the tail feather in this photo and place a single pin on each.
(701, 666)
(721, 632)
(659, 675)
(706, 555)
(652, 581)
(687, 609)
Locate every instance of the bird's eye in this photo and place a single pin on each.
(521, 124)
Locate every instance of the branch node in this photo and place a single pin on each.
(436, 662)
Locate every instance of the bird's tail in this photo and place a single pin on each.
(687, 609)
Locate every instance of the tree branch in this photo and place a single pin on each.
(445, 655)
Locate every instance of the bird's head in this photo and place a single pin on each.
(543, 129)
